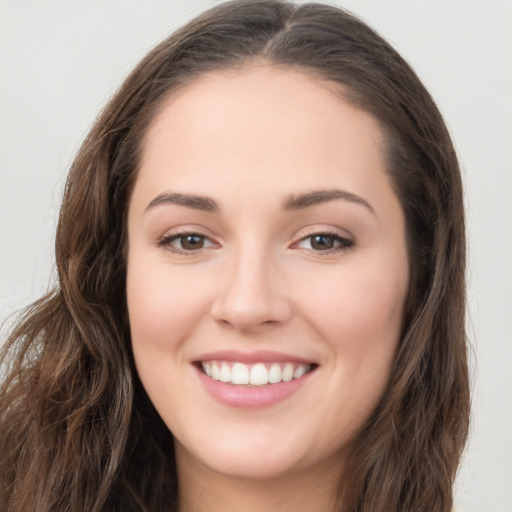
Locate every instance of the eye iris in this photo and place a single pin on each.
(191, 242)
(322, 242)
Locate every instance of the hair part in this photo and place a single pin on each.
(77, 431)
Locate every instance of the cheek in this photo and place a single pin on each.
(359, 317)
(161, 304)
(162, 307)
(359, 309)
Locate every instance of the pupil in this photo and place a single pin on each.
(322, 242)
(192, 242)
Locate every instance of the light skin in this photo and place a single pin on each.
(298, 247)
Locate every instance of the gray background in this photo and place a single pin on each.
(60, 60)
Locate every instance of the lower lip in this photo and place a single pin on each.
(251, 397)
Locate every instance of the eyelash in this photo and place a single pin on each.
(166, 242)
(344, 244)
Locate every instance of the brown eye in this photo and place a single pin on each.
(191, 242)
(325, 243)
(322, 242)
(186, 243)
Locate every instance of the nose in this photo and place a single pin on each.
(252, 294)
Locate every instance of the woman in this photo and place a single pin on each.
(252, 310)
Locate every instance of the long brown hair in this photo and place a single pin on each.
(77, 431)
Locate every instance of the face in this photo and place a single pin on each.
(267, 271)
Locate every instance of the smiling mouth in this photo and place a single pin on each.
(259, 374)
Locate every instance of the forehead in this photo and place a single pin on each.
(260, 111)
(249, 96)
(255, 136)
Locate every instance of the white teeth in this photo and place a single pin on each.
(288, 372)
(259, 375)
(225, 373)
(240, 374)
(256, 375)
(215, 371)
(274, 374)
(299, 371)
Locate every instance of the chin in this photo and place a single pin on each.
(254, 466)
(259, 456)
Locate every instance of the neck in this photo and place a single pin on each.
(204, 490)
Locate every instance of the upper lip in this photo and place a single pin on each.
(259, 356)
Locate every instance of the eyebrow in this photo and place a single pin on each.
(292, 203)
(301, 201)
(189, 201)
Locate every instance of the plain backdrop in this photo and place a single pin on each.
(60, 61)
